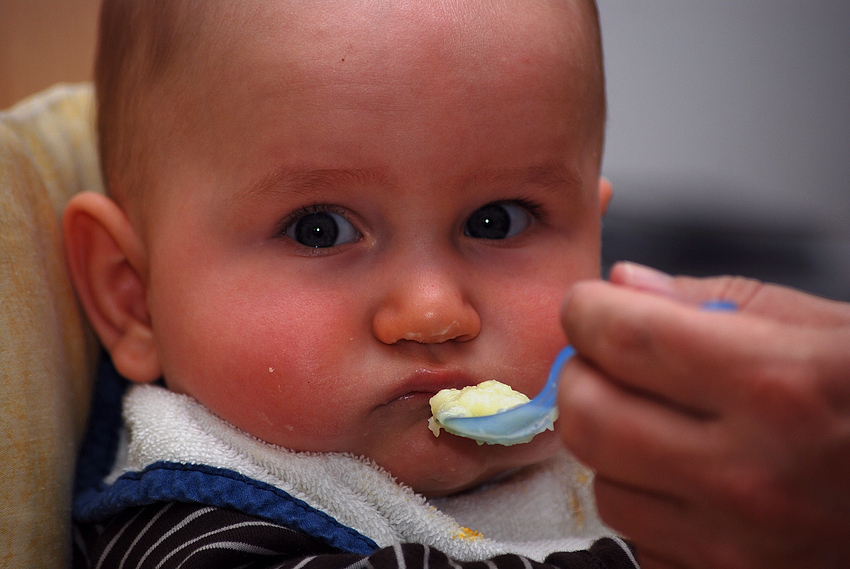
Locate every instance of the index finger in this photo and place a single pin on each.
(772, 301)
(666, 349)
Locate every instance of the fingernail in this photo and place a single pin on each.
(645, 278)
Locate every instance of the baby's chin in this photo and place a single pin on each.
(456, 465)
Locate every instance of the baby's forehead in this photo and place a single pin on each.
(347, 39)
(469, 25)
(290, 50)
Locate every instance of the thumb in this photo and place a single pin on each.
(752, 296)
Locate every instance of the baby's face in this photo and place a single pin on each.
(365, 209)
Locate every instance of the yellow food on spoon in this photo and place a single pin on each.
(486, 398)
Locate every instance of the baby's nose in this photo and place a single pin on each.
(428, 308)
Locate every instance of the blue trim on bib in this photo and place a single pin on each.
(100, 443)
(174, 482)
(201, 484)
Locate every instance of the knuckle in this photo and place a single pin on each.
(628, 336)
(786, 394)
(758, 498)
(741, 289)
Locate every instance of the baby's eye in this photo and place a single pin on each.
(321, 229)
(497, 221)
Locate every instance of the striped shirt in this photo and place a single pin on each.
(175, 535)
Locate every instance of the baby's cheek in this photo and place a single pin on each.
(271, 403)
(278, 379)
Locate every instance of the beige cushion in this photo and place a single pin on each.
(47, 352)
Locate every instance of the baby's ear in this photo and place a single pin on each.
(107, 263)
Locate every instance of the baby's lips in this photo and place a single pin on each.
(430, 382)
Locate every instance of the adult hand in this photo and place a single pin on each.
(719, 439)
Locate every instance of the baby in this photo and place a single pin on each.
(319, 214)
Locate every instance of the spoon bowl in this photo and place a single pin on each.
(517, 425)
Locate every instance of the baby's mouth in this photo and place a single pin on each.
(423, 384)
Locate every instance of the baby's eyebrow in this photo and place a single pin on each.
(307, 182)
(555, 175)
(293, 181)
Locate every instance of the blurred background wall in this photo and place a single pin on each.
(729, 138)
(43, 42)
(728, 134)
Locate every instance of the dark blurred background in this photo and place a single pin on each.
(729, 138)
(704, 246)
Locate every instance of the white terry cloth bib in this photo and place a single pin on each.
(542, 509)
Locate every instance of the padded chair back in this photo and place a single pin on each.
(47, 352)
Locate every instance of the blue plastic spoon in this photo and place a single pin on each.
(517, 425)
(521, 424)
